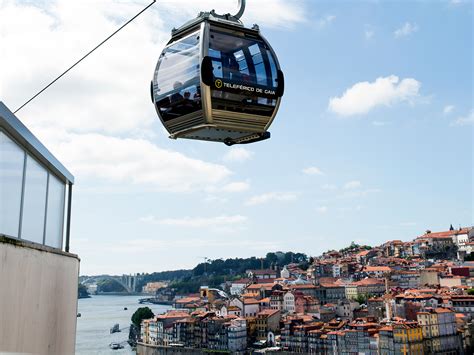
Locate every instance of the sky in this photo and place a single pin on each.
(372, 142)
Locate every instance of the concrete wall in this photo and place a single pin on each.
(38, 299)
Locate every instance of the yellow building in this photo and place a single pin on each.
(430, 325)
(408, 338)
(439, 330)
(145, 331)
(351, 291)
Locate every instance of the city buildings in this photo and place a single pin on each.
(388, 300)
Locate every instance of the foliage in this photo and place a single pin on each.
(141, 314)
(110, 285)
(162, 276)
(214, 272)
(82, 291)
(354, 246)
(470, 291)
(361, 299)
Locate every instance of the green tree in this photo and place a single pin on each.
(361, 299)
(141, 314)
(110, 285)
(470, 291)
(82, 291)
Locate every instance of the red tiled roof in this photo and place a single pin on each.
(187, 300)
(266, 286)
(251, 301)
(268, 312)
(377, 269)
(241, 281)
(302, 286)
(264, 272)
(446, 234)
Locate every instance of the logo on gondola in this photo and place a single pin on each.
(218, 83)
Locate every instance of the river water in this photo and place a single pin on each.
(98, 315)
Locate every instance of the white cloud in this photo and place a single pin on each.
(236, 186)
(325, 21)
(136, 161)
(352, 185)
(273, 13)
(99, 119)
(271, 196)
(322, 209)
(406, 30)
(197, 222)
(464, 120)
(312, 170)
(380, 123)
(448, 109)
(359, 193)
(369, 32)
(154, 245)
(329, 187)
(238, 154)
(215, 199)
(365, 96)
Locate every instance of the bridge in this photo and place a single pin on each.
(128, 282)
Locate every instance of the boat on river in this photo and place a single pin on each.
(116, 346)
(115, 329)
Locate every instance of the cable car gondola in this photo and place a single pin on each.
(217, 80)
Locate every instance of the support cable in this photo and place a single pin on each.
(85, 56)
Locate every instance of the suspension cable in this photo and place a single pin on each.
(85, 56)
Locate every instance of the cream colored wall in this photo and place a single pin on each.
(38, 299)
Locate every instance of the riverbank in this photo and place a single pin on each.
(98, 314)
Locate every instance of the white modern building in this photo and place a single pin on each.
(38, 275)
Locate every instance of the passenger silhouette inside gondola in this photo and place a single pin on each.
(234, 69)
(176, 97)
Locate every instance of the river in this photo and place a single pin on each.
(98, 315)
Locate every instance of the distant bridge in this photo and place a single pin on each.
(129, 282)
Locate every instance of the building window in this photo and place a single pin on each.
(34, 201)
(12, 160)
(32, 198)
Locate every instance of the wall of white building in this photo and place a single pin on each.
(38, 299)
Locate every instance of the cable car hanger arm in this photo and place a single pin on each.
(237, 16)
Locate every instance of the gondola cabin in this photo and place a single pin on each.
(217, 81)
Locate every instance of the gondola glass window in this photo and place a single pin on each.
(177, 74)
(244, 61)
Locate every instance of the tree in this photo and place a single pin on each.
(361, 298)
(110, 285)
(470, 291)
(141, 314)
(82, 291)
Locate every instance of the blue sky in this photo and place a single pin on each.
(373, 140)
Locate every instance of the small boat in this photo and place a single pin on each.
(116, 346)
(125, 308)
(115, 328)
(78, 315)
